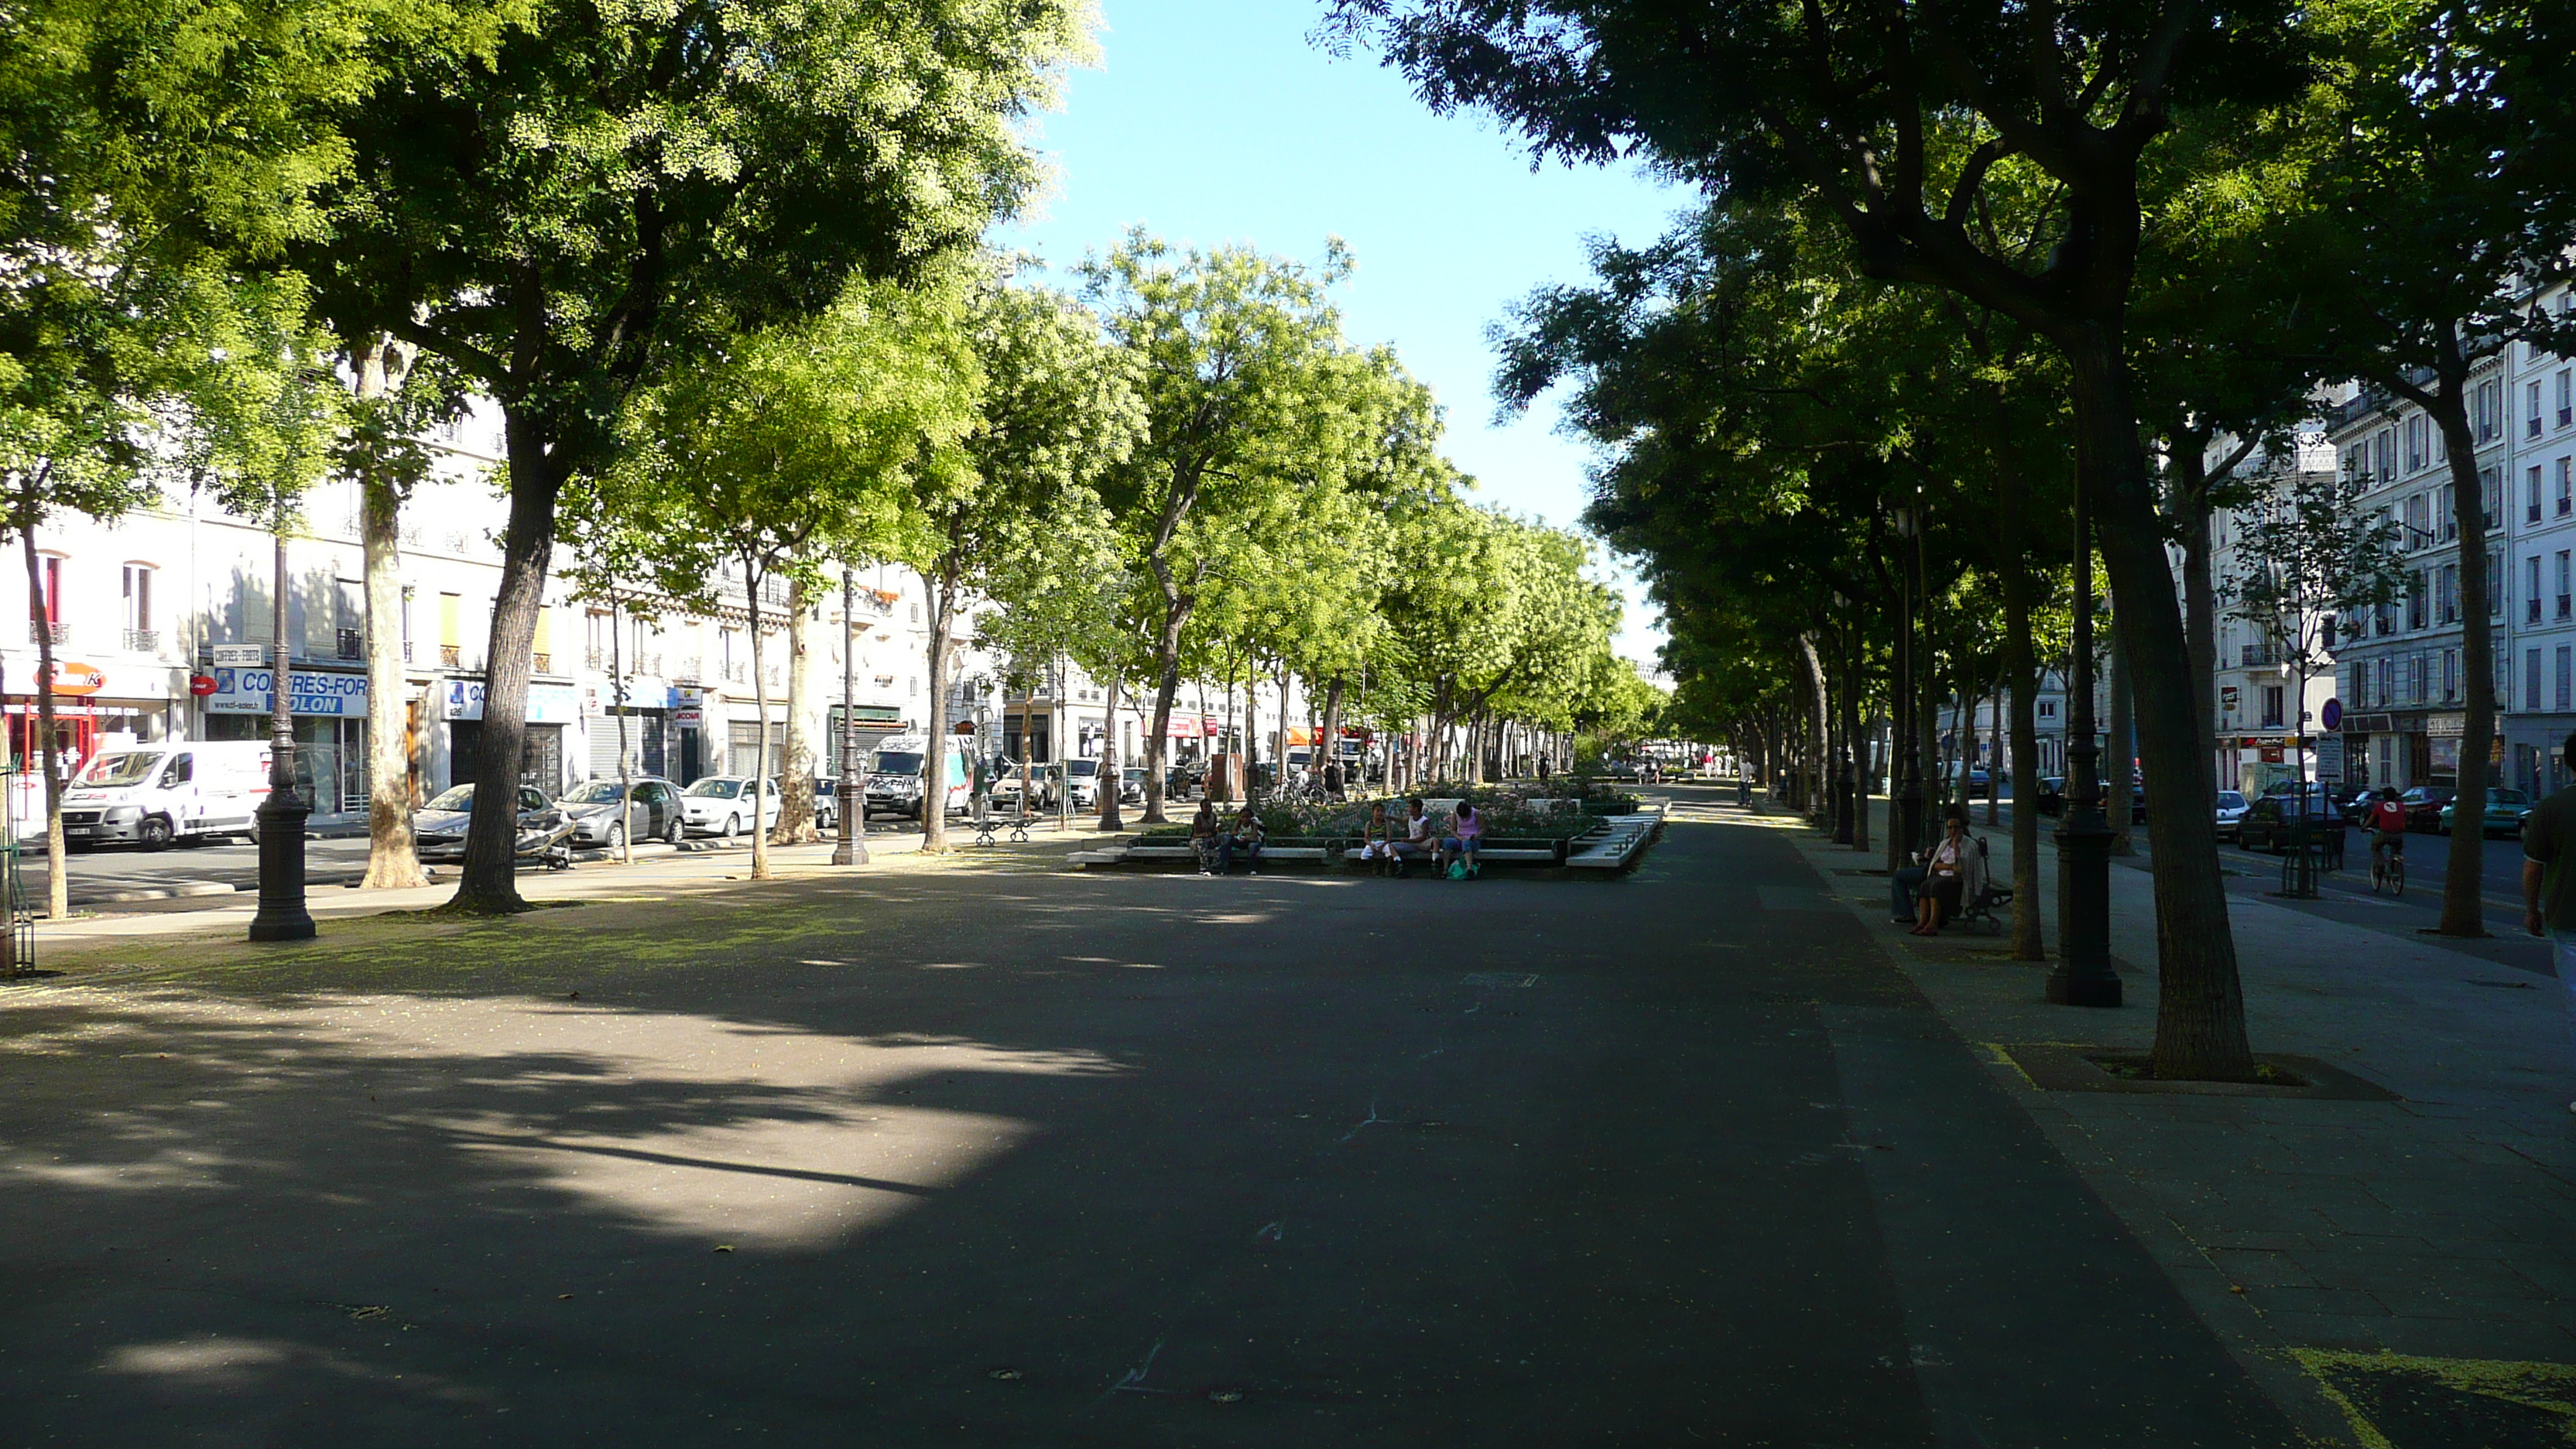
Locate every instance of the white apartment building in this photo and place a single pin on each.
(2267, 720)
(152, 615)
(2401, 679)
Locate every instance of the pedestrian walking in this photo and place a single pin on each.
(1542, 771)
(1332, 779)
(2549, 876)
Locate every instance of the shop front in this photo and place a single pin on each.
(329, 707)
(553, 709)
(2536, 752)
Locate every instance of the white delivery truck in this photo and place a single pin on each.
(895, 774)
(150, 795)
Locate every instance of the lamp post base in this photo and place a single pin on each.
(282, 915)
(2083, 975)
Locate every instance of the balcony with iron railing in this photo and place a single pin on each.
(36, 633)
(352, 643)
(143, 641)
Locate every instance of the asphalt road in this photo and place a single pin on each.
(976, 1156)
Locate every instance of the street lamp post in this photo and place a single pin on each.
(2083, 974)
(281, 915)
(852, 847)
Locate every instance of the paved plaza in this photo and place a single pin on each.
(986, 1152)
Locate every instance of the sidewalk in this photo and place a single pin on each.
(2409, 1257)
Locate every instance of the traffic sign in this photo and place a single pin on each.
(2333, 715)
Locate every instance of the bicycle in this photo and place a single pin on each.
(2388, 867)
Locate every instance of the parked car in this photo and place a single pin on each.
(2051, 799)
(438, 828)
(2360, 800)
(2232, 809)
(723, 805)
(1131, 785)
(827, 803)
(1005, 788)
(599, 819)
(2275, 820)
(2424, 806)
(180, 790)
(2506, 810)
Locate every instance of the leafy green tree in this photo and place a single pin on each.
(563, 202)
(746, 468)
(2443, 181)
(2307, 556)
(1906, 136)
(1251, 397)
(1058, 407)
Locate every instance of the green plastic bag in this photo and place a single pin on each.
(1457, 870)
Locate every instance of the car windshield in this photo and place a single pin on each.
(2230, 800)
(895, 762)
(2507, 797)
(455, 797)
(597, 792)
(1083, 767)
(715, 789)
(120, 770)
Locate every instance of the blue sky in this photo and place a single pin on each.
(1222, 122)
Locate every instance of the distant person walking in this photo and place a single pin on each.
(1542, 770)
(2549, 877)
(1332, 779)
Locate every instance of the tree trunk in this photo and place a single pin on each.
(2200, 1010)
(2463, 908)
(1167, 676)
(2120, 750)
(760, 734)
(796, 772)
(2199, 601)
(2029, 942)
(489, 882)
(1329, 740)
(1285, 714)
(941, 590)
(1818, 712)
(1251, 723)
(392, 861)
(58, 886)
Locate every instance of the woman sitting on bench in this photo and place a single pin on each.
(1955, 873)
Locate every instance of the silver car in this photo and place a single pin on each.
(598, 820)
(438, 828)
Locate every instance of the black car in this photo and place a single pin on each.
(2277, 819)
(2358, 802)
(2051, 799)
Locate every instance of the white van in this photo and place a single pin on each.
(151, 795)
(894, 783)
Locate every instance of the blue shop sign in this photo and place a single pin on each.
(308, 692)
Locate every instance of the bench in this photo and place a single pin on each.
(1985, 909)
(986, 822)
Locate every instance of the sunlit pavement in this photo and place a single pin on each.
(980, 1153)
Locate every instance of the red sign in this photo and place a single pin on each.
(201, 685)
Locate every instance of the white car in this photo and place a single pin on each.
(722, 805)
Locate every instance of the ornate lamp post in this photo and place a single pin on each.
(281, 915)
(850, 805)
(2083, 974)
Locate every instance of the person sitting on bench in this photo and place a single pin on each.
(1954, 874)
(1243, 836)
(1466, 836)
(1416, 842)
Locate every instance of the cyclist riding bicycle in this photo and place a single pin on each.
(2388, 831)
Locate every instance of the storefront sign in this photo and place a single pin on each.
(547, 703)
(247, 691)
(2227, 698)
(689, 717)
(201, 685)
(2446, 726)
(240, 656)
(78, 680)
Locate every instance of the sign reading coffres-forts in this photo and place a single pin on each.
(310, 692)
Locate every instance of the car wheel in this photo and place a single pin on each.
(675, 832)
(732, 827)
(615, 839)
(154, 833)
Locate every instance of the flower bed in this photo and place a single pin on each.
(1509, 814)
